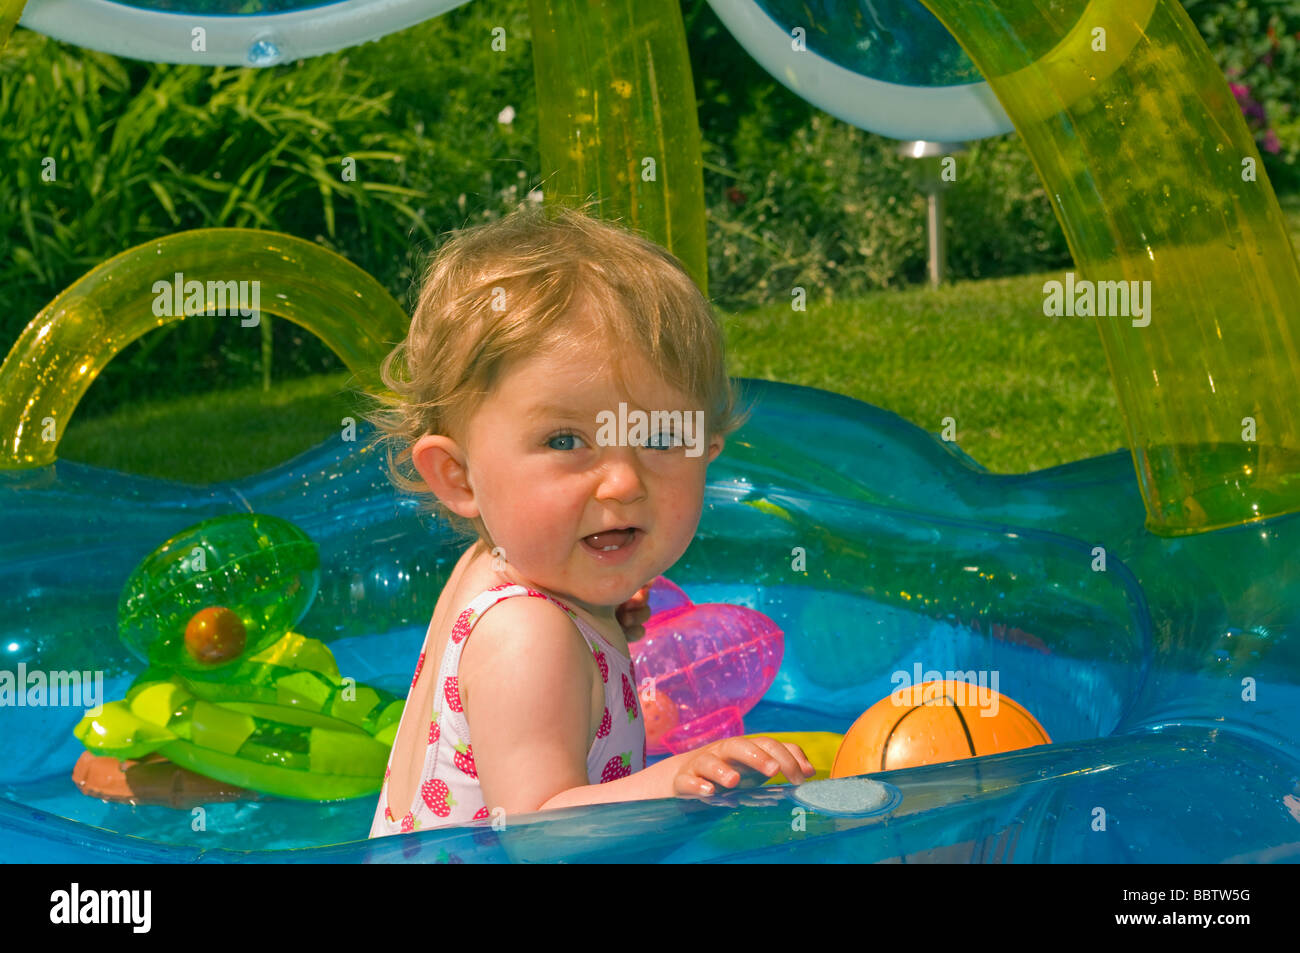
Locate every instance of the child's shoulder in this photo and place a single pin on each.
(527, 641)
(527, 623)
(521, 616)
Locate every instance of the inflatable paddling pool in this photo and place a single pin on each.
(1142, 606)
(1138, 685)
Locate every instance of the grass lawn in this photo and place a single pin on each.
(216, 436)
(1026, 391)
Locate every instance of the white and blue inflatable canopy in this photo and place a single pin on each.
(225, 32)
(888, 66)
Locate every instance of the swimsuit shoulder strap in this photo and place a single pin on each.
(490, 597)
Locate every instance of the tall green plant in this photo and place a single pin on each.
(10, 12)
(335, 149)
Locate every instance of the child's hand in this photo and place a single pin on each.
(746, 762)
(632, 614)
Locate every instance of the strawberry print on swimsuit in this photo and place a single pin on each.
(449, 792)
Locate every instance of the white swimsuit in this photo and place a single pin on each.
(449, 793)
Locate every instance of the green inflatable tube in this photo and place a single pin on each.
(617, 120)
(1163, 199)
(283, 722)
(11, 11)
(65, 347)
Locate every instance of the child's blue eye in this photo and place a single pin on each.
(664, 440)
(564, 441)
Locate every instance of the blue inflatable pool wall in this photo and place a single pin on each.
(1166, 679)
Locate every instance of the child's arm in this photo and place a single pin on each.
(655, 781)
(530, 680)
(728, 762)
(527, 682)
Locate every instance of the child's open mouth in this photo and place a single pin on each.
(612, 544)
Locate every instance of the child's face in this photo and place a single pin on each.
(534, 468)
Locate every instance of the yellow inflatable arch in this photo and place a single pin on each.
(233, 271)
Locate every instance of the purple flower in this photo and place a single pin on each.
(1271, 142)
(1249, 107)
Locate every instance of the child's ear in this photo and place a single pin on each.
(441, 462)
(716, 443)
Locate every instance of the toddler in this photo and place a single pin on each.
(530, 335)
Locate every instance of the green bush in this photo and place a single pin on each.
(144, 150)
(1000, 221)
(799, 213)
(1257, 44)
(795, 197)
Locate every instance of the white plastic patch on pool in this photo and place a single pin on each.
(848, 797)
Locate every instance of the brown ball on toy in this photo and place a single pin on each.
(215, 635)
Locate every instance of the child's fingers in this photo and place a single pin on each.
(750, 754)
(710, 767)
(639, 598)
(632, 621)
(688, 785)
(809, 768)
(704, 774)
(631, 615)
(794, 766)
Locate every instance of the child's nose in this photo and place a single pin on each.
(621, 478)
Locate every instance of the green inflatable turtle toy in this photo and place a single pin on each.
(231, 692)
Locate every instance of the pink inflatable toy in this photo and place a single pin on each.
(701, 668)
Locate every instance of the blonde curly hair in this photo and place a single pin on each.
(572, 282)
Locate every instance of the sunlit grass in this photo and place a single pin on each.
(1026, 391)
(220, 435)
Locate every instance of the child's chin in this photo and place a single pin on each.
(608, 597)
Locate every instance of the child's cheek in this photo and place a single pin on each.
(687, 513)
(535, 539)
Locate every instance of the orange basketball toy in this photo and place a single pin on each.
(932, 723)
